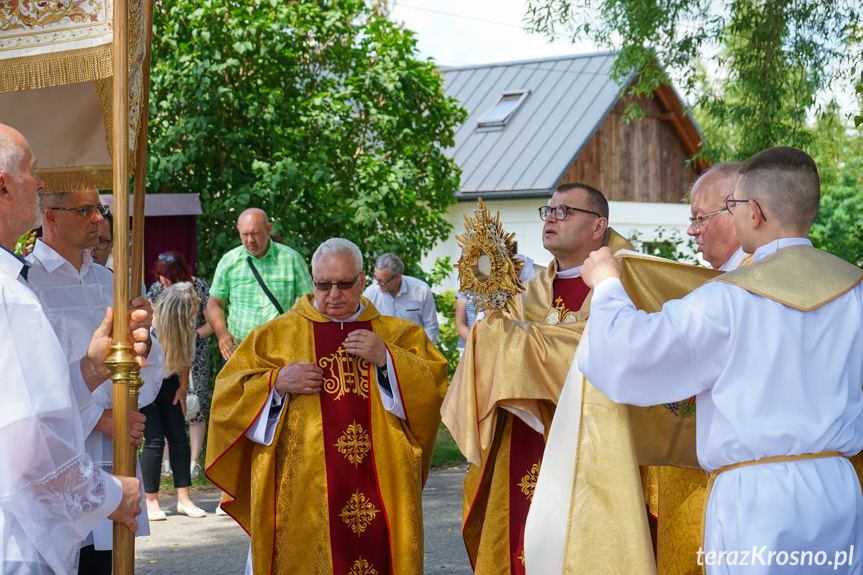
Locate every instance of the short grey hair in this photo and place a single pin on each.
(390, 262)
(11, 155)
(339, 246)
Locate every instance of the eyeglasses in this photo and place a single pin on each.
(86, 211)
(561, 211)
(731, 203)
(385, 282)
(169, 259)
(342, 285)
(701, 221)
(104, 243)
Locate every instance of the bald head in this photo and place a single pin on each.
(714, 234)
(254, 229)
(19, 185)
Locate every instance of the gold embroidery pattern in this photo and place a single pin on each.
(350, 374)
(528, 482)
(522, 557)
(23, 16)
(362, 567)
(561, 307)
(354, 444)
(358, 513)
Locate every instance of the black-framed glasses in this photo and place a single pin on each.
(169, 259)
(86, 211)
(341, 285)
(383, 283)
(561, 211)
(731, 203)
(701, 221)
(104, 243)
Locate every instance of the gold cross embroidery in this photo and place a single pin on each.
(358, 513)
(362, 567)
(528, 482)
(354, 444)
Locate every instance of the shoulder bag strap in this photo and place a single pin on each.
(264, 286)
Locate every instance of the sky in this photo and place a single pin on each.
(465, 32)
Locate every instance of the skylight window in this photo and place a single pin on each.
(503, 111)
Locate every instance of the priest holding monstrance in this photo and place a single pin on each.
(328, 415)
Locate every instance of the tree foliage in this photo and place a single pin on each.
(772, 58)
(838, 151)
(316, 111)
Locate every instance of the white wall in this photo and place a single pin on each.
(521, 217)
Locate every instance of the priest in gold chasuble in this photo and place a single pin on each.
(502, 398)
(322, 430)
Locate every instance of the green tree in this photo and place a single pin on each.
(772, 57)
(318, 112)
(838, 151)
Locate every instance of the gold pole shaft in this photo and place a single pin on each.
(141, 156)
(121, 360)
(140, 195)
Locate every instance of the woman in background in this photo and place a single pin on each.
(171, 267)
(173, 317)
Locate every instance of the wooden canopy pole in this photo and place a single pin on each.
(139, 194)
(121, 360)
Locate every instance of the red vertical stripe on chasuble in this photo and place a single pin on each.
(527, 446)
(358, 532)
(525, 456)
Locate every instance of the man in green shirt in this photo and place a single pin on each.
(235, 287)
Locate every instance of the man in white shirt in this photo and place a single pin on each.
(711, 224)
(74, 293)
(398, 295)
(51, 495)
(773, 353)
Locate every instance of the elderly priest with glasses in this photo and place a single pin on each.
(328, 415)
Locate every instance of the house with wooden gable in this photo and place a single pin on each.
(533, 125)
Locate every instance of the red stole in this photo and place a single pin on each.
(527, 446)
(568, 295)
(359, 538)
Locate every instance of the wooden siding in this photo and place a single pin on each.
(642, 161)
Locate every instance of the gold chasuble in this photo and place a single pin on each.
(589, 506)
(516, 362)
(338, 491)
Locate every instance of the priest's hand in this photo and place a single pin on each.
(93, 367)
(130, 504)
(599, 266)
(299, 377)
(367, 345)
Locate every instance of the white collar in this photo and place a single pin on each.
(342, 321)
(9, 264)
(567, 274)
(52, 260)
(778, 244)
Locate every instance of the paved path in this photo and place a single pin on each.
(218, 546)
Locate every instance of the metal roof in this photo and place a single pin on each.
(569, 98)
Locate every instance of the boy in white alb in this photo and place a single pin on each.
(773, 353)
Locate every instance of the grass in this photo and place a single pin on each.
(199, 483)
(446, 452)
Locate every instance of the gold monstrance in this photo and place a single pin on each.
(487, 270)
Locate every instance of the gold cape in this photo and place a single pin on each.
(517, 362)
(278, 493)
(607, 528)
